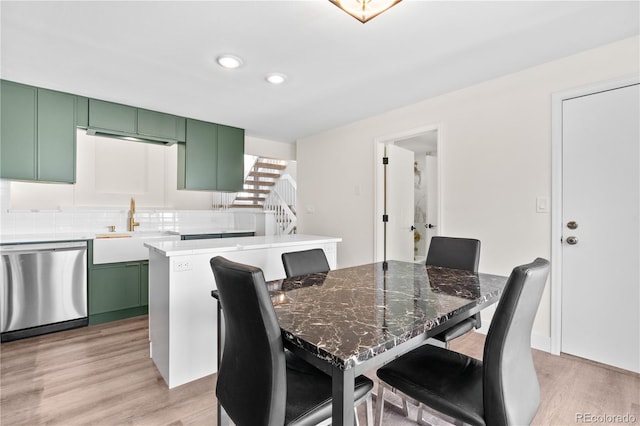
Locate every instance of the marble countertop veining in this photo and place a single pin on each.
(346, 316)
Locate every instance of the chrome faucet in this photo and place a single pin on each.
(132, 211)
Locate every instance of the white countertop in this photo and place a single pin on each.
(73, 236)
(188, 247)
(48, 237)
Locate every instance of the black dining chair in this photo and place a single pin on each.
(256, 385)
(305, 262)
(455, 253)
(502, 389)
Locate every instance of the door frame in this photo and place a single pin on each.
(378, 196)
(556, 195)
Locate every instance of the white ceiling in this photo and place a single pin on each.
(161, 55)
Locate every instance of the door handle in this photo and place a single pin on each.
(572, 224)
(413, 228)
(429, 226)
(572, 241)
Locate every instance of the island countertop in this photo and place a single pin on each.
(222, 245)
(183, 320)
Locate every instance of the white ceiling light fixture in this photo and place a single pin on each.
(229, 61)
(365, 10)
(276, 78)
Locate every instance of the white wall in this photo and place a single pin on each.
(495, 160)
(111, 171)
(268, 148)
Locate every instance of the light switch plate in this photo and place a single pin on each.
(542, 205)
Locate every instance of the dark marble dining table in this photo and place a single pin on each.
(348, 321)
(351, 320)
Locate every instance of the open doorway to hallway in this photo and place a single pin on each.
(407, 194)
(425, 189)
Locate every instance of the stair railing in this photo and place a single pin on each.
(282, 200)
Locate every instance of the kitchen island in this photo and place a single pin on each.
(183, 320)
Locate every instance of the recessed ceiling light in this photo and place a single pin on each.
(229, 61)
(276, 78)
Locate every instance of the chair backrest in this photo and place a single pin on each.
(305, 262)
(455, 253)
(510, 386)
(252, 375)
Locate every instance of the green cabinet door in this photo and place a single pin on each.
(110, 116)
(197, 158)
(230, 160)
(161, 125)
(144, 283)
(114, 287)
(18, 141)
(56, 136)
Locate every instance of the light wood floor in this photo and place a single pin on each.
(102, 375)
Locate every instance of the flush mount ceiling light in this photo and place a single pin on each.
(229, 61)
(364, 10)
(276, 78)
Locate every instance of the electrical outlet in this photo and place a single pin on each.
(182, 265)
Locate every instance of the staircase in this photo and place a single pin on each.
(265, 187)
(259, 182)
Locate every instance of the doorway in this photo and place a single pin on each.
(411, 192)
(595, 225)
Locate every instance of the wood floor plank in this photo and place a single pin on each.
(102, 375)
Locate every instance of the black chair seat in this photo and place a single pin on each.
(442, 379)
(309, 394)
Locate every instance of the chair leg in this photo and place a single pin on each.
(435, 414)
(368, 411)
(420, 420)
(380, 401)
(379, 404)
(369, 406)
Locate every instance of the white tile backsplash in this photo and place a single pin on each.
(19, 222)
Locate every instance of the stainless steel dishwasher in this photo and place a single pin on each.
(43, 288)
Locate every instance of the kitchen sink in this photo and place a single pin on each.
(127, 247)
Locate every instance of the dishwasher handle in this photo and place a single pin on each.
(42, 247)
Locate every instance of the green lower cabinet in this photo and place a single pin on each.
(144, 283)
(118, 291)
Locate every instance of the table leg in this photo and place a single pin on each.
(343, 382)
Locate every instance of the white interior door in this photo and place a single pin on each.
(399, 203)
(601, 232)
(432, 197)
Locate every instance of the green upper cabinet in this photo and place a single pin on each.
(19, 124)
(116, 120)
(161, 125)
(197, 167)
(38, 134)
(115, 117)
(56, 136)
(230, 176)
(212, 159)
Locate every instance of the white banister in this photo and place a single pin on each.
(282, 200)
